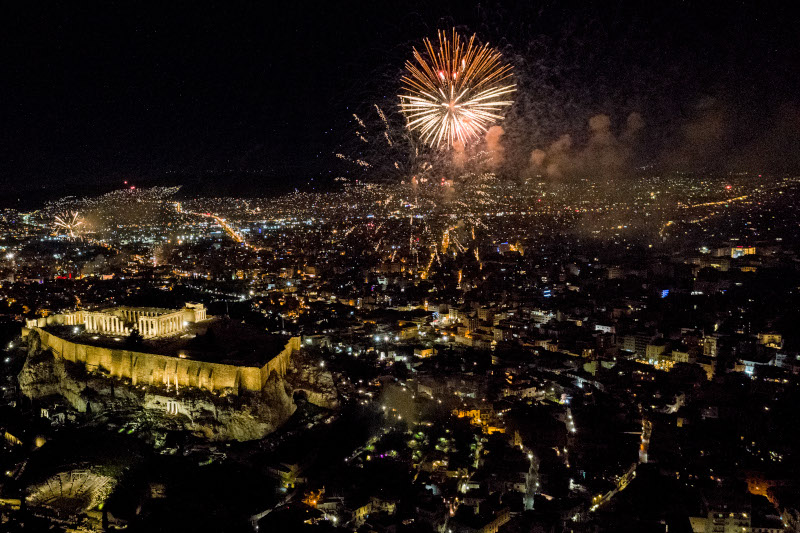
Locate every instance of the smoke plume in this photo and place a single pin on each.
(494, 147)
(603, 151)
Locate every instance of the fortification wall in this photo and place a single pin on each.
(280, 363)
(159, 370)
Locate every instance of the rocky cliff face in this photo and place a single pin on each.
(217, 417)
(40, 376)
(309, 375)
(233, 418)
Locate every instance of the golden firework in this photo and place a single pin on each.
(456, 91)
(68, 223)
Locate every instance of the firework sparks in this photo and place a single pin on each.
(387, 128)
(359, 162)
(454, 93)
(68, 223)
(360, 122)
(382, 115)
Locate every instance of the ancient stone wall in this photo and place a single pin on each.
(280, 363)
(161, 370)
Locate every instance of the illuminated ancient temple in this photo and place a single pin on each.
(151, 322)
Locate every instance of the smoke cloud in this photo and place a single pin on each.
(459, 155)
(701, 139)
(494, 147)
(603, 151)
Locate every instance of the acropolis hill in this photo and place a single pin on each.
(211, 376)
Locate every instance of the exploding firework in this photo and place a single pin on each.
(456, 91)
(68, 223)
(448, 97)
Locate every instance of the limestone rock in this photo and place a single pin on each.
(39, 377)
(308, 375)
(218, 417)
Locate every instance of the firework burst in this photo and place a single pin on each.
(456, 91)
(425, 187)
(68, 223)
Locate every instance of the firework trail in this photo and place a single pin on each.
(359, 162)
(360, 122)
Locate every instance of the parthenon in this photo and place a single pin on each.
(151, 322)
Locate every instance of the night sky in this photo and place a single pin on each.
(96, 93)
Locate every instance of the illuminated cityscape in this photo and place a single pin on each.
(459, 315)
